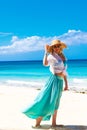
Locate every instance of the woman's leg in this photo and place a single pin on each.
(54, 118)
(38, 121)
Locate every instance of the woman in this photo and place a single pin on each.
(47, 102)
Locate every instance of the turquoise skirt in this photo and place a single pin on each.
(48, 99)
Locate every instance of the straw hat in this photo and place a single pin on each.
(57, 42)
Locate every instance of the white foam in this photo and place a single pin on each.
(75, 80)
(74, 83)
(20, 83)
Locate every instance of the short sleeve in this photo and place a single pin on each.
(49, 59)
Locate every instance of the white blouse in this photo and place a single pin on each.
(56, 64)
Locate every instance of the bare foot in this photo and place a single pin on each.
(53, 125)
(36, 126)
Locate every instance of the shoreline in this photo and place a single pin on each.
(72, 111)
(4, 88)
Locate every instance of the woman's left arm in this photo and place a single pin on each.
(66, 83)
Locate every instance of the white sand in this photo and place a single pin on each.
(72, 112)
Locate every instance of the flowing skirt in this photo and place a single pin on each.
(48, 99)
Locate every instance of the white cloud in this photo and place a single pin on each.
(5, 33)
(14, 38)
(35, 43)
(73, 37)
(27, 44)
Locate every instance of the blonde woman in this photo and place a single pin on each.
(47, 102)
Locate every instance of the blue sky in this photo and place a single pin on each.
(27, 25)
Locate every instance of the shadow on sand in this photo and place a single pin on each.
(58, 127)
(63, 127)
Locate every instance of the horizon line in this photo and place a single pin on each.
(40, 60)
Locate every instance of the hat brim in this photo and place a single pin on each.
(62, 46)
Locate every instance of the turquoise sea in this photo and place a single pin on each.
(34, 74)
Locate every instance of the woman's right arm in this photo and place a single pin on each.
(45, 62)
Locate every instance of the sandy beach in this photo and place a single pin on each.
(72, 111)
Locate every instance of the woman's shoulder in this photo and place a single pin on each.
(50, 56)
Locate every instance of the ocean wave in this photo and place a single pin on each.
(78, 82)
(19, 83)
(74, 84)
(78, 85)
